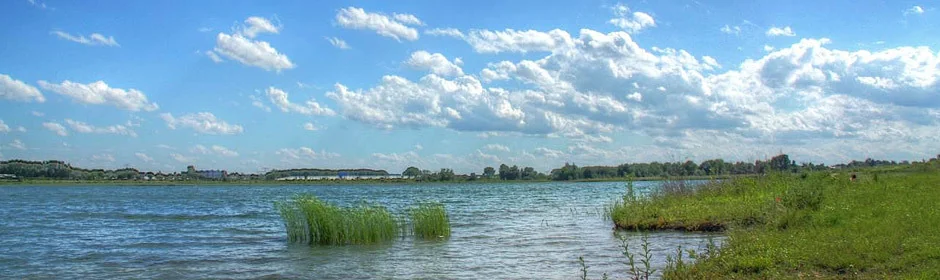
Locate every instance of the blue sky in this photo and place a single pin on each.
(248, 86)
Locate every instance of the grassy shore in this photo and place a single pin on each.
(885, 224)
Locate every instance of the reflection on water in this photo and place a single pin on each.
(499, 231)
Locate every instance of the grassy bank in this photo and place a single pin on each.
(885, 224)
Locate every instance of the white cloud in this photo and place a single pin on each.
(631, 22)
(55, 127)
(777, 31)
(17, 144)
(338, 43)
(37, 113)
(21, 129)
(100, 93)
(418, 147)
(728, 29)
(16, 90)
(251, 52)
(214, 150)
(407, 19)
(311, 107)
(396, 27)
(4, 128)
(202, 122)
(82, 127)
(304, 156)
(103, 157)
(143, 157)
(497, 147)
(94, 40)
(258, 25)
(451, 32)
(214, 57)
(223, 151)
(509, 40)
(435, 63)
(255, 101)
(311, 127)
(768, 48)
(41, 5)
(915, 10)
(182, 158)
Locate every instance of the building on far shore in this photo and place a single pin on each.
(207, 174)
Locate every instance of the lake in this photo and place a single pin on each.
(499, 231)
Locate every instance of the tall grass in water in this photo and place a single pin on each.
(310, 220)
(429, 220)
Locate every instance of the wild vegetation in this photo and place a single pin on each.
(429, 220)
(883, 224)
(310, 220)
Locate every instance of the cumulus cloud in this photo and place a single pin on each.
(728, 29)
(631, 22)
(17, 144)
(118, 129)
(241, 46)
(497, 147)
(279, 98)
(202, 122)
(395, 27)
(311, 127)
(451, 32)
(915, 10)
(181, 158)
(251, 52)
(338, 43)
(56, 128)
(255, 101)
(435, 63)
(214, 150)
(143, 157)
(601, 83)
(304, 156)
(521, 41)
(99, 93)
(258, 25)
(103, 157)
(778, 31)
(94, 39)
(214, 57)
(16, 90)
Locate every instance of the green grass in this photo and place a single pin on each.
(310, 220)
(886, 224)
(429, 220)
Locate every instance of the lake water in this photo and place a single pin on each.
(499, 231)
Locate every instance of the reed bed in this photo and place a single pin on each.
(429, 220)
(310, 220)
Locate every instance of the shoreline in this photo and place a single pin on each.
(43, 182)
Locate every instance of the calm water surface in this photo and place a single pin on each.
(500, 231)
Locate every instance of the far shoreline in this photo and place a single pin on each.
(131, 183)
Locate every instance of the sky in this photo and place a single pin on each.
(257, 85)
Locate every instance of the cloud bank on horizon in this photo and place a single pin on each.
(466, 85)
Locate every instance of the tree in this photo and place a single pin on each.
(446, 174)
(503, 171)
(411, 172)
(489, 171)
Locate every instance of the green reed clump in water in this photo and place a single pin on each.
(429, 220)
(310, 220)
